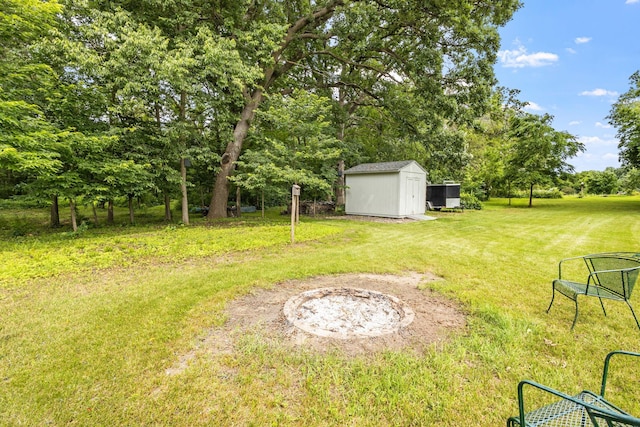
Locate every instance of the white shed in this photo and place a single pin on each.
(390, 189)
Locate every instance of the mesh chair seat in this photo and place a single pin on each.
(566, 413)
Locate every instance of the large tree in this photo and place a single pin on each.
(625, 117)
(445, 50)
(489, 142)
(198, 70)
(171, 76)
(538, 152)
(26, 135)
(213, 62)
(40, 144)
(295, 144)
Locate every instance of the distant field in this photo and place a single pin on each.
(91, 322)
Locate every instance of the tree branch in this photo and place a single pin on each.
(318, 16)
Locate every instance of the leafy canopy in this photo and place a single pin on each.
(625, 117)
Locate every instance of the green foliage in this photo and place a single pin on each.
(27, 139)
(539, 152)
(489, 144)
(470, 201)
(625, 117)
(537, 193)
(152, 83)
(597, 182)
(25, 20)
(293, 143)
(27, 144)
(630, 181)
(550, 193)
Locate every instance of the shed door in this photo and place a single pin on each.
(412, 202)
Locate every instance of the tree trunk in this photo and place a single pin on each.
(238, 202)
(340, 193)
(183, 165)
(55, 213)
(531, 195)
(183, 190)
(218, 205)
(262, 203)
(167, 207)
(110, 219)
(131, 218)
(95, 213)
(280, 67)
(74, 222)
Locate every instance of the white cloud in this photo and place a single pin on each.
(582, 40)
(599, 92)
(574, 123)
(596, 141)
(610, 156)
(532, 106)
(590, 140)
(603, 125)
(632, 1)
(571, 51)
(520, 58)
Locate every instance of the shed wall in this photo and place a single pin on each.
(373, 194)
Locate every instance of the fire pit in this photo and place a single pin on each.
(346, 313)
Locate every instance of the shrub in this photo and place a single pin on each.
(550, 193)
(470, 201)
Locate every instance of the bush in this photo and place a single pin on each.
(470, 201)
(551, 193)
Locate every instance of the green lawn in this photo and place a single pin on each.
(89, 322)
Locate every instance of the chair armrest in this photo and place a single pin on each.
(567, 259)
(605, 371)
(544, 388)
(590, 408)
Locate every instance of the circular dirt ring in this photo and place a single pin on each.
(347, 313)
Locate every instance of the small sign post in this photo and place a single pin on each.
(295, 212)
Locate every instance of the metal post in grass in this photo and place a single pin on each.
(295, 215)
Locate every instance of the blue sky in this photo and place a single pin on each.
(572, 59)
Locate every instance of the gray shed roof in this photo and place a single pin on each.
(384, 167)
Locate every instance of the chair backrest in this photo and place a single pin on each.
(620, 282)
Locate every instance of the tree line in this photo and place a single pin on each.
(106, 100)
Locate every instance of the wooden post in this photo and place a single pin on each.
(295, 215)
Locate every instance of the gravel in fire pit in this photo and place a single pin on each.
(347, 313)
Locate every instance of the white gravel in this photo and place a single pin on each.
(347, 313)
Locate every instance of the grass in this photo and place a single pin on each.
(91, 321)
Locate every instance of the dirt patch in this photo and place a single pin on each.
(436, 317)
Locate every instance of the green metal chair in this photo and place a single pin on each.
(584, 409)
(610, 275)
